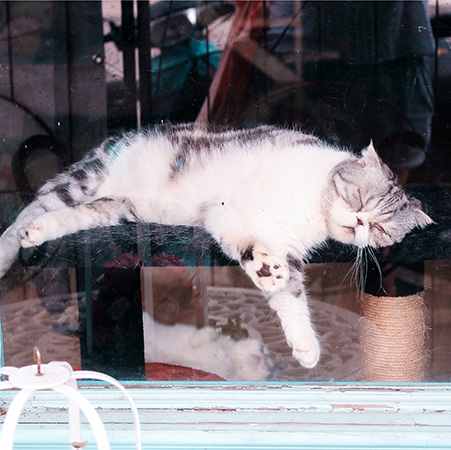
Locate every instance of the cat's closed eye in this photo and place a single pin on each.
(378, 227)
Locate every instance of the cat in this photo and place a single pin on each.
(206, 349)
(268, 195)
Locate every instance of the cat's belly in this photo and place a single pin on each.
(167, 209)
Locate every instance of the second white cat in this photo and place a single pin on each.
(206, 349)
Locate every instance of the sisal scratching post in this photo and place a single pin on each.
(394, 332)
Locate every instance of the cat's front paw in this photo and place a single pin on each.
(32, 235)
(269, 273)
(306, 350)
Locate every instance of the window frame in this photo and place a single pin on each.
(327, 415)
(251, 415)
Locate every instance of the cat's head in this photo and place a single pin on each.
(251, 360)
(365, 205)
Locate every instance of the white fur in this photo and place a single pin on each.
(207, 350)
(245, 190)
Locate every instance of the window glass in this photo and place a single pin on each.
(156, 302)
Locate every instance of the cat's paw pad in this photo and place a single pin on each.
(32, 235)
(269, 273)
(306, 351)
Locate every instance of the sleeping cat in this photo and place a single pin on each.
(267, 195)
(205, 349)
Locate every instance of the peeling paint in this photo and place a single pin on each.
(215, 409)
(361, 407)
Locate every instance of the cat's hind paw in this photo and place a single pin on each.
(269, 273)
(32, 234)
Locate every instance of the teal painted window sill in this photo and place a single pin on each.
(251, 416)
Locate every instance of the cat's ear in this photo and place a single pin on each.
(370, 157)
(422, 219)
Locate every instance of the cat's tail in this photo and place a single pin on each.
(9, 249)
(10, 240)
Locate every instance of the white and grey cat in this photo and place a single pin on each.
(207, 350)
(267, 195)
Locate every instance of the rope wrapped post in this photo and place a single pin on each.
(393, 332)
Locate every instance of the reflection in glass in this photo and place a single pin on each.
(350, 72)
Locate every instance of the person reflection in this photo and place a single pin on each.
(371, 60)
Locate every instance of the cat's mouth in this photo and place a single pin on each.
(343, 233)
(349, 230)
(354, 235)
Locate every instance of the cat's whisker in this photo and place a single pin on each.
(327, 201)
(364, 267)
(358, 262)
(49, 281)
(359, 269)
(352, 271)
(376, 263)
(270, 316)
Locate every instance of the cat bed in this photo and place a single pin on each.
(169, 372)
(196, 247)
